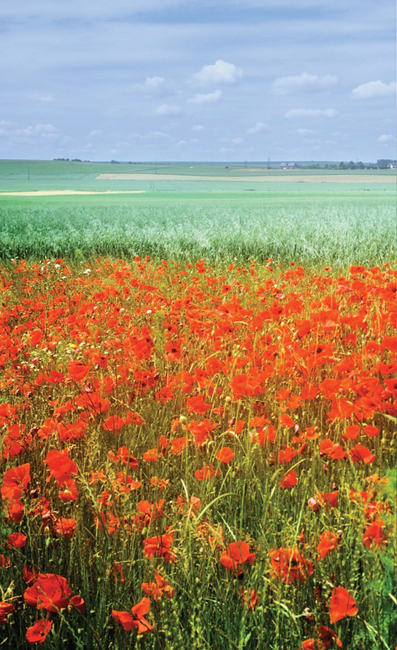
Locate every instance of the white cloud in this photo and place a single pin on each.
(181, 143)
(92, 133)
(219, 73)
(258, 127)
(44, 128)
(151, 136)
(198, 127)
(385, 138)
(42, 98)
(237, 140)
(154, 82)
(156, 135)
(311, 112)
(374, 89)
(209, 98)
(304, 131)
(154, 86)
(303, 83)
(167, 109)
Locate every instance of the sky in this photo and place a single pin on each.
(198, 80)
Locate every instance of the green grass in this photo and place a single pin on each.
(306, 229)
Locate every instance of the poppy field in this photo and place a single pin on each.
(197, 455)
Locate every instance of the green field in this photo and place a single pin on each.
(335, 222)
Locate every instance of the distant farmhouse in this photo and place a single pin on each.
(288, 165)
(386, 163)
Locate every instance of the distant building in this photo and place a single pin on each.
(386, 163)
(288, 165)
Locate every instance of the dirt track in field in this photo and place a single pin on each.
(69, 192)
(339, 178)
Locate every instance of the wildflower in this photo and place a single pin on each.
(158, 588)
(5, 609)
(286, 421)
(225, 455)
(37, 633)
(160, 546)
(77, 370)
(65, 527)
(342, 604)
(113, 423)
(289, 480)
(50, 592)
(374, 536)
(328, 542)
(235, 554)
(16, 540)
(325, 636)
(206, 472)
(137, 619)
(78, 603)
(197, 405)
(289, 565)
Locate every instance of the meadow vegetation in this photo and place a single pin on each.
(197, 412)
(313, 231)
(198, 454)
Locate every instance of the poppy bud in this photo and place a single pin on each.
(313, 505)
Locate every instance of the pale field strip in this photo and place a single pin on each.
(69, 192)
(339, 178)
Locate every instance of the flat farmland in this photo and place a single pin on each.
(197, 408)
(59, 209)
(271, 178)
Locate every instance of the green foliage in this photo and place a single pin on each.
(314, 233)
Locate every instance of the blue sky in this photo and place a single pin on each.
(208, 80)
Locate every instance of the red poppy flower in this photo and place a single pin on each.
(29, 574)
(328, 542)
(137, 619)
(5, 609)
(352, 432)
(342, 604)
(79, 604)
(371, 431)
(206, 472)
(374, 536)
(197, 405)
(77, 370)
(37, 633)
(289, 480)
(60, 466)
(16, 540)
(225, 455)
(286, 455)
(289, 565)
(123, 456)
(113, 423)
(286, 421)
(160, 546)
(70, 492)
(15, 480)
(327, 499)
(325, 636)
(65, 527)
(151, 455)
(235, 554)
(158, 588)
(50, 592)
(359, 453)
